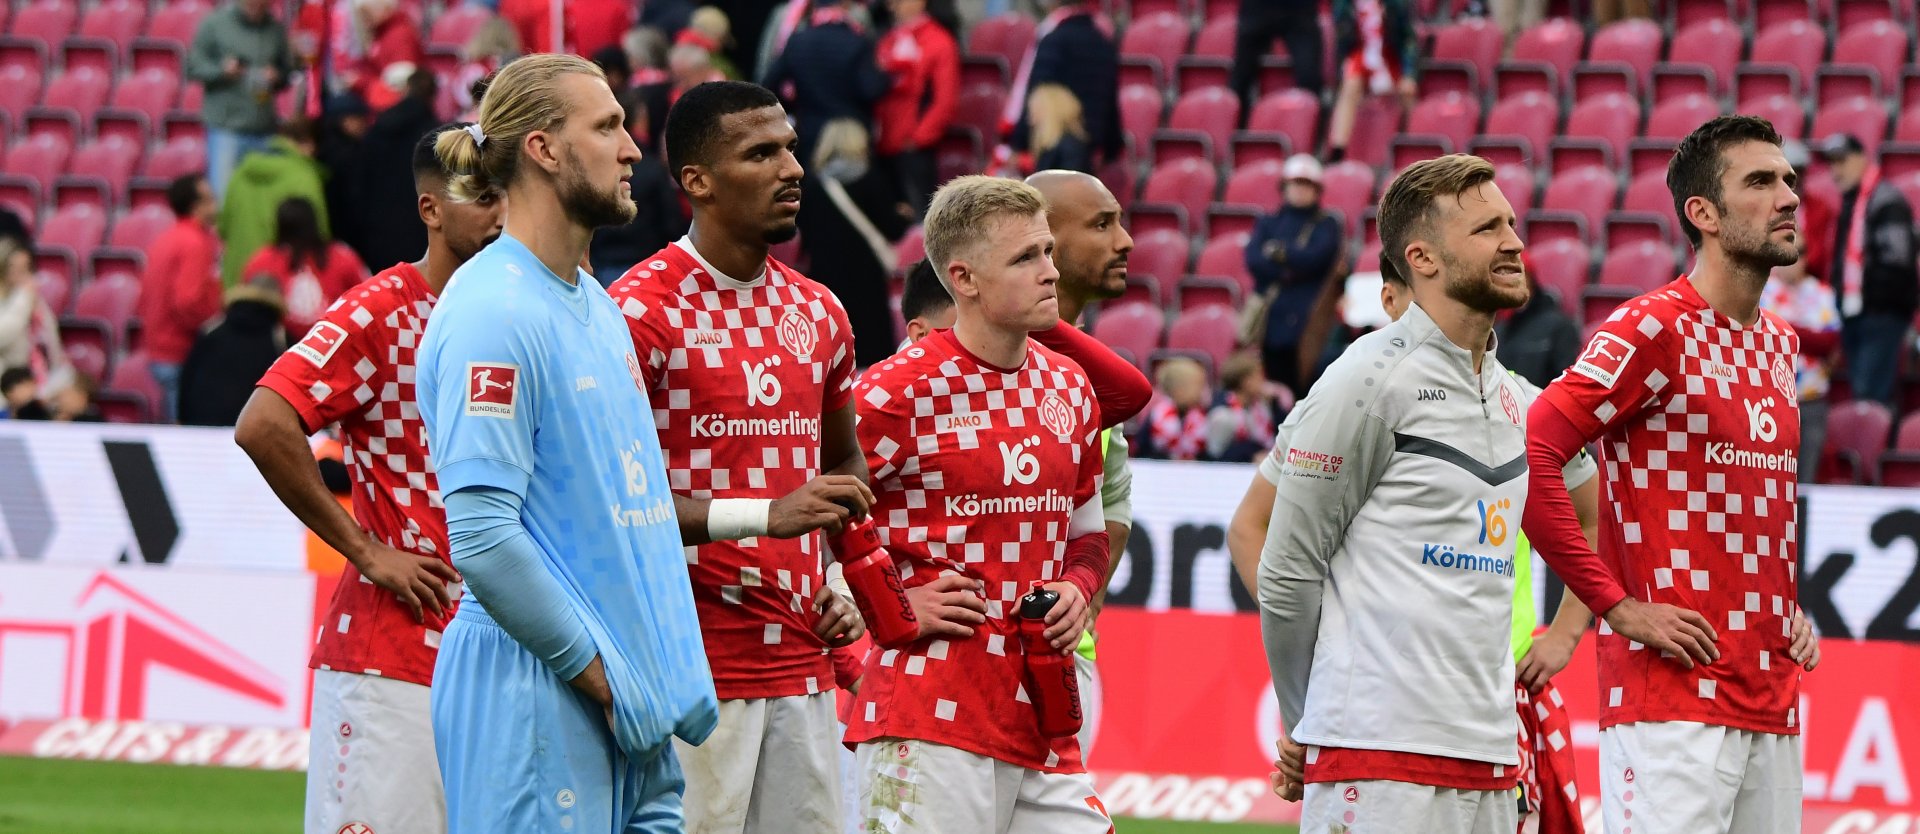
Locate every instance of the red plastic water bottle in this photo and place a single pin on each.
(1052, 684)
(876, 585)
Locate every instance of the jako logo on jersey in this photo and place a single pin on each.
(963, 422)
(633, 464)
(1493, 521)
(491, 389)
(1057, 416)
(1432, 395)
(1021, 465)
(762, 388)
(1760, 425)
(1606, 356)
(798, 335)
(320, 343)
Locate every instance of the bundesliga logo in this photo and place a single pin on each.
(491, 391)
(320, 343)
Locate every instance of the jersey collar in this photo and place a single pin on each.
(722, 279)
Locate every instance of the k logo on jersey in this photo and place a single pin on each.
(798, 334)
(763, 388)
(320, 343)
(492, 389)
(1020, 465)
(1057, 416)
(633, 465)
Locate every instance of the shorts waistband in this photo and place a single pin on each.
(473, 613)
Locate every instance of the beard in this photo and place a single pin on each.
(464, 250)
(1757, 247)
(782, 233)
(1476, 289)
(592, 207)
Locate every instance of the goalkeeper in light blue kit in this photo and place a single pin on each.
(576, 653)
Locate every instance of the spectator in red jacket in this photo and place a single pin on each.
(924, 60)
(309, 270)
(391, 38)
(181, 290)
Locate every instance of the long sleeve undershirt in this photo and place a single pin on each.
(501, 564)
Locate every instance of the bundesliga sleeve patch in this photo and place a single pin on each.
(321, 343)
(492, 389)
(1606, 356)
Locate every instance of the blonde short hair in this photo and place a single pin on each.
(957, 220)
(1055, 114)
(842, 139)
(524, 97)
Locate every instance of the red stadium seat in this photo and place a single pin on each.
(1770, 12)
(1153, 217)
(1530, 117)
(1648, 193)
(1689, 12)
(1517, 185)
(176, 20)
(1135, 327)
(1557, 43)
(21, 194)
(1140, 108)
(1907, 439)
(1249, 147)
(1254, 184)
(113, 298)
(1006, 36)
(183, 155)
(1409, 148)
(137, 228)
(150, 92)
(1347, 187)
(1641, 267)
(1211, 112)
(40, 157)
(1196, 291)
(1612, 119)
(1865, 118)
(1215, 39)
(1754, 81)
(19, 88)
(1712, 45)
(55, 276)
(1225, 219)
(1879, 45)
(80, 227)
(1443, 77)
(1213, 330)
(1373, 130)
(46, 21)
(1622, 228)
(1162, 36)
(1633, 43)
(1452, 115)
(1292, 113)
(152, 53)
(1856, 436)
(1795, 43)
(1588, 192)
(455, 26)
(1851, 12)
(73, 190)
(87, 344)
(1562, 266)
(1187, 183)
(1226, 255)
(1159, 254)
(1474, 41)
(92, 53)
(134, 375)
(979, 108)
(1786, 114)
(1677, 117)
(1908, 128)
(116, 21)
(82, 90)
(112, 158)
(987, 69)
(1141, 289)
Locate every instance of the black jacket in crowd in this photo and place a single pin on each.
(1539, 340)
(839, 257)
(225, 362)
(834, 76)
(657, 221)
(388, 212)
(1077, 55)
(1889, 282)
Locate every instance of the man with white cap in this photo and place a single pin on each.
(1291, 255)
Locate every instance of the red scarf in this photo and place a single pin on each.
(1853, 267)
(1546, 761)
(1178, 436)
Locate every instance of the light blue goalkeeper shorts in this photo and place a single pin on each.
(521, 751)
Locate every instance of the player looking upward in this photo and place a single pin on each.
(982, 445)
(1690, 392)
(576, 653)
(371, 761)
(750, 368)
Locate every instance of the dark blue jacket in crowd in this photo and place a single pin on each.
(834, 77)
(1310, 248)
(1080, 57)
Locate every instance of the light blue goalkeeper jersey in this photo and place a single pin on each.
(529, 384)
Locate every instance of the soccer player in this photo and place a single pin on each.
(1393, 526)
(575, 654)
(1537, 659)
(983, 449)
(1690, 391)
(371, 762)
(1091, 248)
(925, 305)
(750, 368)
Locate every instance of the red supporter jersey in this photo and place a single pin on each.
(1699, 428)
(739, 375)
(977, 471)
(355, 368)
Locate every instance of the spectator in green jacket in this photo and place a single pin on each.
(264, 180)
(242, 57)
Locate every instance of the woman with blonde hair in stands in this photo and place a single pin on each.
(1059, 130)
(850, 216)
(26, 321)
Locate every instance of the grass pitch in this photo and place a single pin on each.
(54, 796)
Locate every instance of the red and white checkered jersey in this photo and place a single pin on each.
(355, 368)
(739, 374)
(1699, 428)
(976, 470)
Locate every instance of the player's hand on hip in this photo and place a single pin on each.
(592, 682)
(1549, 654)
(1068, 618)
(949, 606)
(839, 623)
(419, 582)
(1805, 649)
(1289, 770)
(1679, 632)
(824, 503)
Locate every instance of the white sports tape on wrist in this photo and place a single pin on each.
(729, 519)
